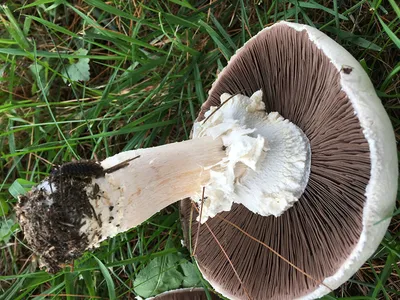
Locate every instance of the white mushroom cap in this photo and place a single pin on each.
(345, 210)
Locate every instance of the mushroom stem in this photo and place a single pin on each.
(83, 203)
(159, 177)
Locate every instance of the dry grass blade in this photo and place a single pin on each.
(198, 225)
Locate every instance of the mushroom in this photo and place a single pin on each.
(184, 294)
(292, 146)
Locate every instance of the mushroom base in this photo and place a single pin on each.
(52, 215)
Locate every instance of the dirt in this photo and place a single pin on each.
(51, 221)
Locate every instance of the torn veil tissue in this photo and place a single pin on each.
(267, 162)
(242, 146)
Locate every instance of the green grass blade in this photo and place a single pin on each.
(217, 39)
(389, 32)
(36, 3)
(392, 74)
(333, 12)
(13, 29)
(395, 8)
(115, 11)
(54, 26)
(183, 4)
(107, 278)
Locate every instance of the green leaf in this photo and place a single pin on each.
(4, 207)
(160, 275)
(7, 228)
(191, 276)
(38, 73)
(20, 187)
(78, 71)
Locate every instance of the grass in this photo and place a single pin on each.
(151, 65)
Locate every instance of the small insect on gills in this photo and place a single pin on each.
(346, 69)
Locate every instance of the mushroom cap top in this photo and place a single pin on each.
(345, 209)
